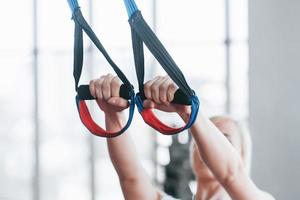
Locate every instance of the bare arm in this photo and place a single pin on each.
(218, 154)
(134, 180)
(223, 160)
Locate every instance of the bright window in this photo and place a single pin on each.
(211, 50)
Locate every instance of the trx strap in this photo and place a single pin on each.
(142, 34)
(83, 92)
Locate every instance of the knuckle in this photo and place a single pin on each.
(155, 86)
(147, 95)
(147, 86)
(97, 83)
(163, 99)
(170, 97)
(153, 90)
(115, 79)
(105, 85)
(173, 86)
(115, 84)
(163, 87)
(147, 89)
(92, 82)
(167, 77)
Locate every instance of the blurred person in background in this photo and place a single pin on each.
(220, 154)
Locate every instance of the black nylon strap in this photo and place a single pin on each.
(78, 54)
(139, 60)
(80, 25)
(142, 32)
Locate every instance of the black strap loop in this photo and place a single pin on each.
(139, 59)
(78, 54)
(80, 26)
(83, 92)
(141, 32)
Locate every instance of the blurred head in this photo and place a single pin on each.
(236, 135)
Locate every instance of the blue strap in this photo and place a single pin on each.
(73, 4)
(131, 7)
(194, 113)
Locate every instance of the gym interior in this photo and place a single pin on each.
(241, 58)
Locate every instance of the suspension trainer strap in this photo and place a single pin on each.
(139, 60)
(83, 93)
(142, 34)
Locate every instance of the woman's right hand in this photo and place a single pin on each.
(106, 90)
(160, 93)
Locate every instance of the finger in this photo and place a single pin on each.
(149, 104)
(147, 87)
(118, 102)
(92, 88)
(98, 87)
(106, 91)
(155, 90)
(115, 87)
(171, 92)
(163, 89)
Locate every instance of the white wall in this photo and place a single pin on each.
(275, 95)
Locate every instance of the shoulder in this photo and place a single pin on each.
(265, 196)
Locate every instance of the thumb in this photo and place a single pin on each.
(149, 104)
(119, 102)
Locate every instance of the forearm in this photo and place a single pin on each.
(223, 160)
(134, 180)
(216, 151)
(121, 151)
